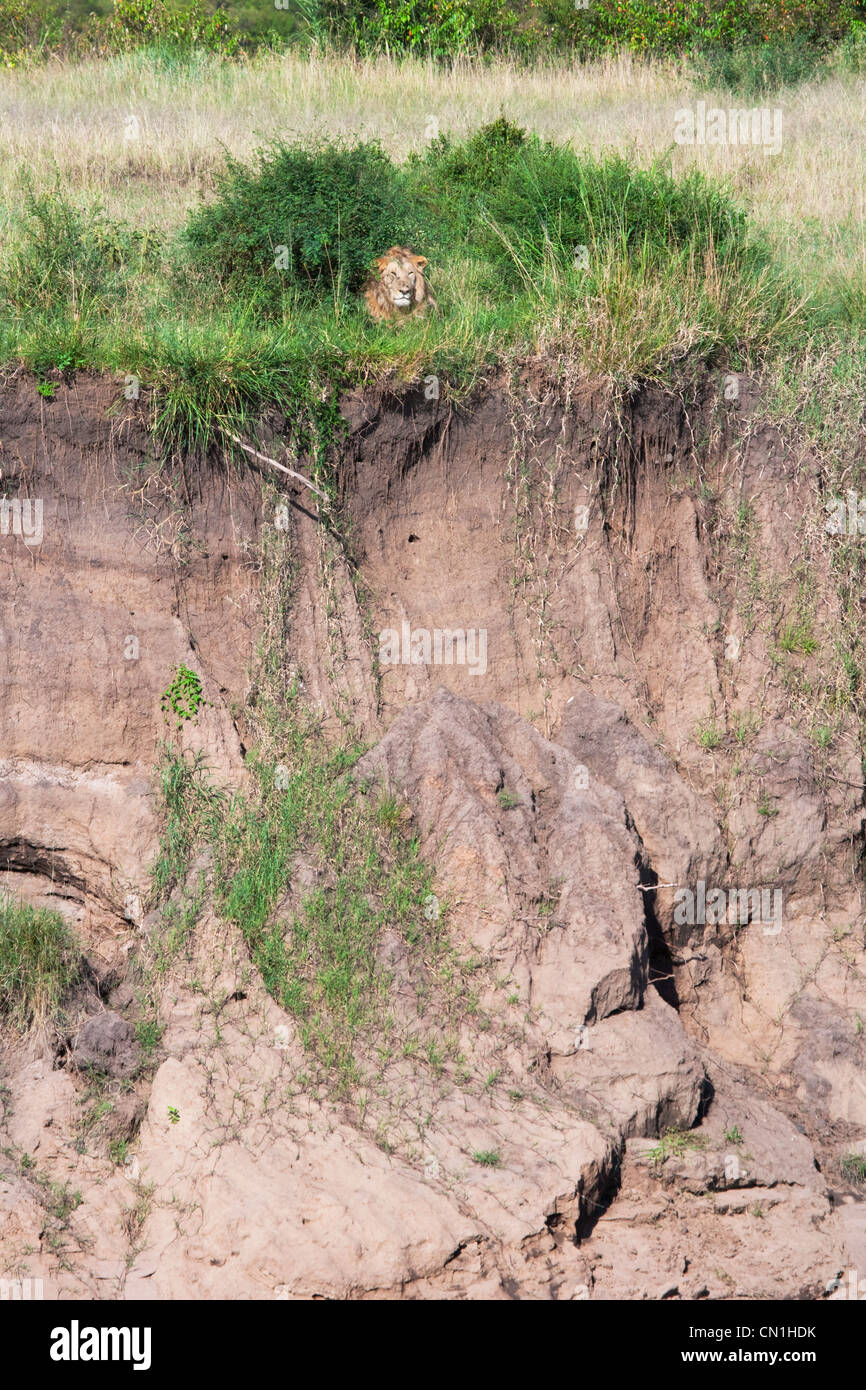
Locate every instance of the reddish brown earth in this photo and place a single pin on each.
(563, 793)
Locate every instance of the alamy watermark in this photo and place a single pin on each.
(22, 1290)
(77, 1343)
(847, 516)
(847, 1285)
(22, 517)
(422, 646)
(716, 126)
(736, 906)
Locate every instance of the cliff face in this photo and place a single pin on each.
(597, 701)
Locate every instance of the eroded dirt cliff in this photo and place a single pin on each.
(640, 1101)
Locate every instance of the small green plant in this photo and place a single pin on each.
(389, 813)
(709, 735)
(797, 637)
(184, 696)
(507, 800)
(118, 1151)
(744, 728)
(822, 735)
(148, 1032)
(488, 1158)
(733, 1135)
(765, 806)
(853, 1168)
(173, 1114)
(674, 1143)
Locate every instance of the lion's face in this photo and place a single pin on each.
(399, 278)
(397, 287)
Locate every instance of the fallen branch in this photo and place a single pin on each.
(247, 448)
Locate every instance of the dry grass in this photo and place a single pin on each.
(77, 119)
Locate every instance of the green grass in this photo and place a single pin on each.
(853, 1167)
(487, 1158)
(676, 1142)
(319, 961)
(316, 949)
(797, 637)
(709, 735)
(534, 248)
(39, 963)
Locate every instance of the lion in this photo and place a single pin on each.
(397, 287)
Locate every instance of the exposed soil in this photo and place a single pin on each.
(639, 724)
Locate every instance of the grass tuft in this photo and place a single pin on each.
(39, 963)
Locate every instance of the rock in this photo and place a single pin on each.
(107, 1043)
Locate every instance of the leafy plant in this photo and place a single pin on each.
(136, 23)
(184, 696)
(674, 1143)
(797, 637)
(303, 220)
(67, 255)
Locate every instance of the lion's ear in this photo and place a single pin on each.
(420, 261)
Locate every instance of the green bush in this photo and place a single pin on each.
(758, 69)
(516, 199)
(65, 255)
(443, 27)
(301, 220)
(39, 962)
(30, 28)
(440, 28)
(33, 25)
(137, 23)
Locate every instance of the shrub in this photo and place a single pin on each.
(28, 24)
(440, 27)
(756, 69)
(444, 27)
(138, 23)
(302, 219)
(65, 254)
(853, 1166)
(516, 198)
(39, 962)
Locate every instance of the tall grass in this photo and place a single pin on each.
(39, 963)
(627, 270)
